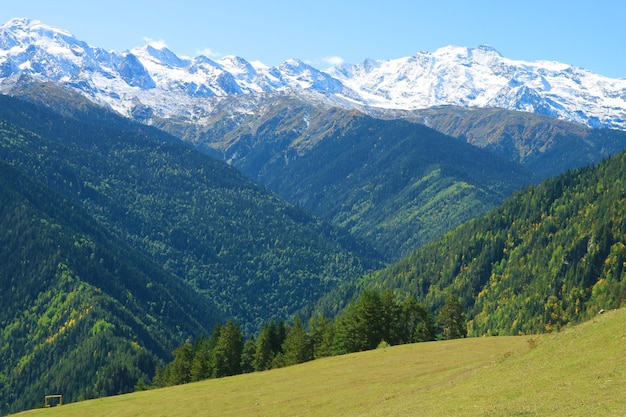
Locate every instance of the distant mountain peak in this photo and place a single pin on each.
(488, 48)
(172, 85)
(162, 54)
(295, 63)
(234, 60)
(23, 25)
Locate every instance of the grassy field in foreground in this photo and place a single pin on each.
(580, 371)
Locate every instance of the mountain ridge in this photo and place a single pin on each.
(393, 183)
(192, 214)
(81, 312)
(552, 254)
(297, 147)
(187, 88)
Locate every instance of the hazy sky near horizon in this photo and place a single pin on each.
(586, 34)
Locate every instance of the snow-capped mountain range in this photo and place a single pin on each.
(152, 81)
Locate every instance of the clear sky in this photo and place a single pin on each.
(587, 34)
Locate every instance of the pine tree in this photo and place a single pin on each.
(297, 346)
(227, 352)
(159, 380)
(263, 354)
(179, 370)
(415, 323)
(201, 365)
(389, 321)
(348, 336)
(321, 332)
(451, 318)
(247, 356)
(370, 319)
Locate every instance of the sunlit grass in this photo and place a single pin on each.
(578, 372)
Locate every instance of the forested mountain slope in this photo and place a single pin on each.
(543, 145)
(395, 185)
(80, 312)
(248, 251)
(550, 255)
(392, 183)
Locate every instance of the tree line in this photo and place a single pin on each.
(551, 255)
(375, 319)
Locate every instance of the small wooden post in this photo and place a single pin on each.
(47, 399)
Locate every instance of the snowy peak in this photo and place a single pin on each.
(31, 47)
(134, 73)
(244, 73)
(155, 78)
(24, 27)
(481, 55)
(159, 54)
(236, 65)
(482, 77)
(18, 35)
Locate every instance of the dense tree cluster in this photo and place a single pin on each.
(373, 320)
(248, 251)
(81, 313)
(552, 254)
(394, 184)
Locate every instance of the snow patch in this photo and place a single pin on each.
(167, 85)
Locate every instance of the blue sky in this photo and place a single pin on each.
(588, 34)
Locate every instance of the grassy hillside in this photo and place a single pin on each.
(579, 371)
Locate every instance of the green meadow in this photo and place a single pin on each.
(580, 371)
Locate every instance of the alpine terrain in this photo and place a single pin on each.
(152, 82)
(272, 122)
(148, 198)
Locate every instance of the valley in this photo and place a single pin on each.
(151, 201)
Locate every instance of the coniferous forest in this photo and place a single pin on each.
(131, 260)
(250, 252)
(114, 230)
(374, 320)
(82, 313)
(551, 255)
